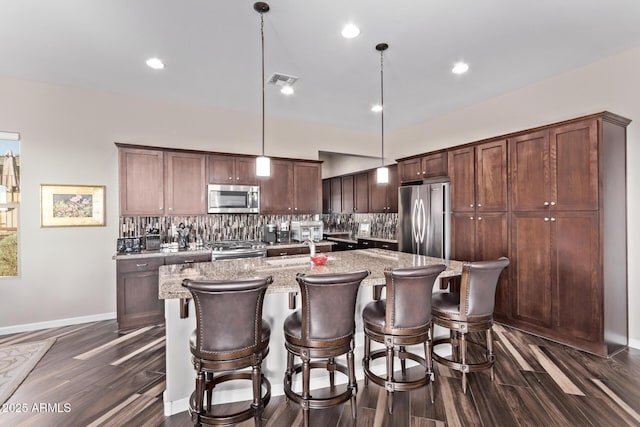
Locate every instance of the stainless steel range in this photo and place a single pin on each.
(230, 249)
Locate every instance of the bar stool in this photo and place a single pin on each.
(402, 319)
(323, 329)
(230, 335)
(470, 310)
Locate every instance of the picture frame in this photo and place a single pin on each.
(72, 205)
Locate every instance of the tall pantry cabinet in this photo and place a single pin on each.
(568, 232)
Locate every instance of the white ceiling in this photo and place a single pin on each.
(212, 50)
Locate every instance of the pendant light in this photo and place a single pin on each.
(263, 164)
(382, 173)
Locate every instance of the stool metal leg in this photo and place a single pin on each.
(365, 358)
(306, 373)
(490, 356)
(463, 361)
(390, 378)
(331, 367)
(353, 385)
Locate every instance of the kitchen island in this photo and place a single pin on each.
(180, 321)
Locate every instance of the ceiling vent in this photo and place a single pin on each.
(280, 79)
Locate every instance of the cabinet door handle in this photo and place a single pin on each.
(553, 219)
(553, 203)
(417, 173)
(188, 261)
(283, 253)
(546, 203)
(546, 219)
(471, 218)
(479, 205)
(471, 205)
(479, 218)
(237, 178)
(142, 265)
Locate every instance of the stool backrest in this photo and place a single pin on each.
(478, 287)
(228, 313)
(329, 304)
(408, 296)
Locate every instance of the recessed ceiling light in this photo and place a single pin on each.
(287, 90)
(155, 63)
(350, 31)
(376, 108)
(460, 68)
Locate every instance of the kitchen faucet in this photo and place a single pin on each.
(312, 246)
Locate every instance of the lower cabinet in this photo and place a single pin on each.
(379, 244)
(137, 288)
(297, 250)
(137, 292)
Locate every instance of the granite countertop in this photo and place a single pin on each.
(204, 251)
(284, 269)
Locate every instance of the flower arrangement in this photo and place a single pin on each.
(72, 206)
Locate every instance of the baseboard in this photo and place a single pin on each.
(634, 344)
(56, 323)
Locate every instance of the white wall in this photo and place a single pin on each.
(68, 134)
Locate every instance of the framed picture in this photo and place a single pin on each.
(72, 205)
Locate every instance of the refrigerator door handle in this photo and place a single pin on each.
(418, 222)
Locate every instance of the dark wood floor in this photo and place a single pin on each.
(93, 376)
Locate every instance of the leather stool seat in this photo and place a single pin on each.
(400, 320)
(470, 310)
(323, 329)
(230, 336)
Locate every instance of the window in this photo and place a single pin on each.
(9, 202)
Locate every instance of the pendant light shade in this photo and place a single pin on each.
(382, 173)
(263, 164)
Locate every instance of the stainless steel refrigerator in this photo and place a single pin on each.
(424, 223)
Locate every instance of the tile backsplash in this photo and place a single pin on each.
(250, 227)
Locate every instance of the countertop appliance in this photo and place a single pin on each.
(269, 234)
(424, 222)
(233, 198)
(305, 230)
(231, 249)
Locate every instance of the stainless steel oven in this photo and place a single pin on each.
(233, 198)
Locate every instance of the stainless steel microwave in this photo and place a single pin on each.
(233, 198)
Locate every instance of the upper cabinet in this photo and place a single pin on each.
(158, 182)
(293, 187)
(355, 193)
(240, 170)
(478, 177)
(428, 166)
(383, 197)
(185, 183)
(141, 181)
(563, 162)
(307, 187)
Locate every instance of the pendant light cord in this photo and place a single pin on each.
(382, 105)
(262, 40)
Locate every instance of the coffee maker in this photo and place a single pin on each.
(269, 234)
(282, 235)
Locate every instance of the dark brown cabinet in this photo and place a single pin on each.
(384, 197)
(307, 187)
(137, 292)
(427, 166)
(141, 181)
(568, 232)
(355, 193)
(137, 298)
(478, 177)
(185, 183)
(240, 170)
(479, 231)
(156, 182)
(297, 250)
(293, 187)
(376, 243)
